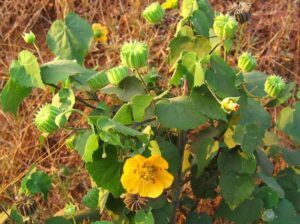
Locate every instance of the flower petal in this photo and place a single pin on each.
(157, 161)
(165, 178)
(151, 190)
(133, 163)
(130, 182)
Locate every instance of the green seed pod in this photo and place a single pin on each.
(134, 54)
(246, 62)
(117, 74)
(268, 215)
(225, 26)
(98, 81)
(45, 118)
(69, 142)
(29, 38)
(230, 104)
(154, 13)
(274, 85)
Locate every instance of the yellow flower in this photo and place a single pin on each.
(170, 4)
(100, 32)
(146, 176)
(230, 104)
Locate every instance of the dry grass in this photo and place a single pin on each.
(272, 35)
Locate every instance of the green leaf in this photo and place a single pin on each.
(16, 217)
(205, 7)
(111, 137)
(58, 220)
(124, 115)
(236, 162)
(200, 45)
(80, 141)
(26, 70)
(268, 196)
(221, 78)
(91, 146)
(272, 183)
(187, 8)
(255, 82)
(163, 215)
(192, 68)
(204, 102)
(39, 182)
(291, 156)
(170, 153)
(102, 222)
(289, 180)
(70, 38)
(127, 89)
(247, 213)
(12, 95)
(60, 70)
(106, 124)
(288, 122)
(139, 105)
(193, 218)
(205, 153)
(285, 213)
(264, 163)
(236, 188)
(64, 99)
(107, 172)
(252, 138)
(270, 139)
(143, 217)
(200, 23)
(90, 200)
(178, 113)
(254, 113)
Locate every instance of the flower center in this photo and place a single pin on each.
(147, 174)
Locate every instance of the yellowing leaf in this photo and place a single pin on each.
(186, 163)
(154, 148)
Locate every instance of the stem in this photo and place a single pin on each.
(143, 122)
(143, 81)
(178, 181)
(39, 53)
(215, 47)
(214, 95)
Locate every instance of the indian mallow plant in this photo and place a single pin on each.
(214, 134)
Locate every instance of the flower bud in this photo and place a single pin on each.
(268, 215)
(246, 62)
(154, 13)
(69, 210)
(134, 54)
(29, 38)
(225, 26)
(230, 104)
(98, 81)
(45, 118)
(117, 74)
(274, 85)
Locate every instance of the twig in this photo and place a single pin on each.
(135, 125)
(215, 47)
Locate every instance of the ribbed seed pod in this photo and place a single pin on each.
(134, 202)
(274, 85)
(27, 207)
(98, 81)
(230, 104)
(240, 11)
(45, 118)
(247, 62)
(225, 26)
(154, 13)
(134, 54)
(117, 74)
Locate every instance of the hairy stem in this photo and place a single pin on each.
(178, 179)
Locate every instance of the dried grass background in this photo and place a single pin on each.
(272, 35)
